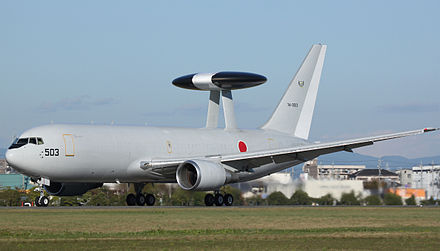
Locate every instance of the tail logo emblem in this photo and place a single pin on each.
(301, 83)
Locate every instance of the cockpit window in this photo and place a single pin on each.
(24, 141)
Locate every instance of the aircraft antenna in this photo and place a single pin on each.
(223, 82)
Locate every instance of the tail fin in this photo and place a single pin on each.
(294, 113)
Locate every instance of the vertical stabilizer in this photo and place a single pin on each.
(294, 113)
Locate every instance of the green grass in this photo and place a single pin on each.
(266, 228)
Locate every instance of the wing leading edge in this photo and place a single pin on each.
(307, 152)
(250, 160)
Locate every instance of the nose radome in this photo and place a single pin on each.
(10, 157)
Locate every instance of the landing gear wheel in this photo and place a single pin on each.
(140, 200)
(209, 200)
(150, 199)
(131, 200)
(229, 199)
(37, 201)
(42, 201)
(219, 200)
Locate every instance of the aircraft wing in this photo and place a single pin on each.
(246, 161)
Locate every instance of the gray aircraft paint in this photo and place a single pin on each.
(110, 153)
(293, 114)
(90, 153)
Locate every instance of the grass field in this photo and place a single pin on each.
(265, 228)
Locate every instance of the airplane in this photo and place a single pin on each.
(69, 160)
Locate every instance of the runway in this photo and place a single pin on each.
(200, 207)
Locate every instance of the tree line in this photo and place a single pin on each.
(174, 196)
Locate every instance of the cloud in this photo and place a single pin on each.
(79, 103)
(409, 108)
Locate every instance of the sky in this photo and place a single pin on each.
(107, 62)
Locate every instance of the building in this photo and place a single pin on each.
(310, 168)
(276, 182)
(318, 188)
(428, 178)
(3, 166)
(375, 174)
(13, 181)
(329, 172)
(405, 177)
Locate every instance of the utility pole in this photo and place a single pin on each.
(379, 163)
(431, 183)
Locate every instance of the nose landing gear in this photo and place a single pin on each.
(42, 201)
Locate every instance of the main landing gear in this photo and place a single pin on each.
(140, 199)
(218, 199)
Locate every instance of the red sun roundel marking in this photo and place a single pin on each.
(242, 146)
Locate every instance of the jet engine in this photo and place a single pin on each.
(70, 189)
(201, 175)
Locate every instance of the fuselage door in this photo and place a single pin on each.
(69, 145)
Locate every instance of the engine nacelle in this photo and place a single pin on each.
(201, 175)
(70, 189)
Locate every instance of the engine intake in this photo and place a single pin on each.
(70, 189)
(201, 175)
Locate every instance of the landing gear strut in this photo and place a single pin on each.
(41, 201)
(140, 199)
(218, 199)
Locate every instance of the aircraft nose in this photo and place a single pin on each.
(10, 157)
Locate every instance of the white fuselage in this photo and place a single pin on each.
(92, 153)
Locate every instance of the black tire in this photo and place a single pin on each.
(219, 200)
(209, 200)
(229, 199)
(140, 200)
(150, 199)
(37, 201)
(131, 200)
(44, 201)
